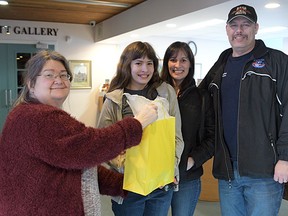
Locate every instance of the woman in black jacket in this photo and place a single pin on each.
(197, 125)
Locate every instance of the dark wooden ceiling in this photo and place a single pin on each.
(64, 11)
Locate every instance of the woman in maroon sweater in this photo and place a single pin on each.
(48, 160)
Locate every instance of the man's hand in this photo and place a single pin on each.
(281, 171)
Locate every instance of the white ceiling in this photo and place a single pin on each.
(267, 18)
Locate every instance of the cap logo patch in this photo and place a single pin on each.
(241, 10)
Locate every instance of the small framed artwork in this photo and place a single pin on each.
(81, 70)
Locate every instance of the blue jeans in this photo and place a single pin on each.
(156, 203)
(245, 196)
(185, 200)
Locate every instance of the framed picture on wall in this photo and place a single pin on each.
(81, 70)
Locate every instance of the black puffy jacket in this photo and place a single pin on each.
(198, 130)
(262, 116)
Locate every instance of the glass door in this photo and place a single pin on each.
(3, 84)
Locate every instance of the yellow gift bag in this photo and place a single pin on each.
(151, 164)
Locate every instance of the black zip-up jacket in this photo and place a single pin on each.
(262, 113)
(198, 129)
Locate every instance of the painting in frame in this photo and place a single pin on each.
(81, 70)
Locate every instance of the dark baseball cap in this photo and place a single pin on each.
(245, 11)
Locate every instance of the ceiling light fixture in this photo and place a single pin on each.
(171, 25)
(272, 5)
(94, 2)
(204, 24)
(3, 2)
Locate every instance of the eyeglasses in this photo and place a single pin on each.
(52, 76)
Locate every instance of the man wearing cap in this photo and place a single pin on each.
(249, 86)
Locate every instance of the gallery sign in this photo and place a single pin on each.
(18, 30)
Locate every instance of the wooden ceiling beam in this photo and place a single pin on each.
(52, 11)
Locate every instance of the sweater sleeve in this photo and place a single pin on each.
(53, 136)
(110, 182)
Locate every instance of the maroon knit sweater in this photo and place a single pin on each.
(42, 153)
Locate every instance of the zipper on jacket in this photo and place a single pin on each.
(248, 73)
(220, 136)
(273, 147)
(238, 117)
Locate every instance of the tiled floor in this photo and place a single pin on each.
(202, 209)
